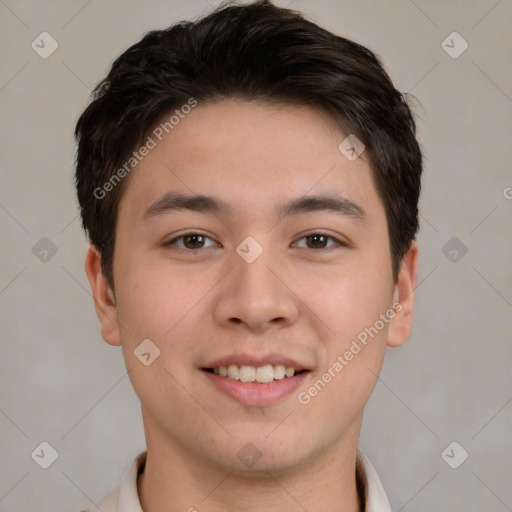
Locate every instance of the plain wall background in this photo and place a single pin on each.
(60, 383)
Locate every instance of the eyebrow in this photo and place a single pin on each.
(207, 204)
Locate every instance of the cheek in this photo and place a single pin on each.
(345, 381)
(355, 345)
(166, 307)
(348, 301)
(154, 297)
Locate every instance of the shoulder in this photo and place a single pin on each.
(371, 487)
(124, 496)
(107, 503)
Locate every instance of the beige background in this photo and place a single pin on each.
(60, 383)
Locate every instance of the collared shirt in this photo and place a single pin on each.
(124, 497)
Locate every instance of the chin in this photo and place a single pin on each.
(258, 456)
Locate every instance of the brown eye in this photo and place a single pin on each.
(319, 241)
(190, 241)
(193, 241)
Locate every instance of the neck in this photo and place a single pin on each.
(175, 480)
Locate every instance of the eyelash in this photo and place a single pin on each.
(338, 243)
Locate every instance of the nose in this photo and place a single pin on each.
(256, 295)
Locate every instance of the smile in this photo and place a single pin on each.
(259, 374)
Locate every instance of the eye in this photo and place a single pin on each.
(190, 241)
(319, 241)
(196, 241)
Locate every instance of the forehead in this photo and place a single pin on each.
(248, 154)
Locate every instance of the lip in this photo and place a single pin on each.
(257, 361)
(255, 394)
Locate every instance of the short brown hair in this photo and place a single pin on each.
(255, 51)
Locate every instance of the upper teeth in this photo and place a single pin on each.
(260, 374)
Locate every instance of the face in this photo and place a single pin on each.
(284, 268)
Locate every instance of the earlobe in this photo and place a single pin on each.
(403, 298)
(104, 300)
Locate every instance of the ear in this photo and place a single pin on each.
(104, 301)
(403, 299)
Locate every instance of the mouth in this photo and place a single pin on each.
(257, 381)
(255, 374)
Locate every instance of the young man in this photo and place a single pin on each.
(249, 184)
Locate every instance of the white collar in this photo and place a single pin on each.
(124, 498)
(374, 494)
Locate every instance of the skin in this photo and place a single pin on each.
(305, 298)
